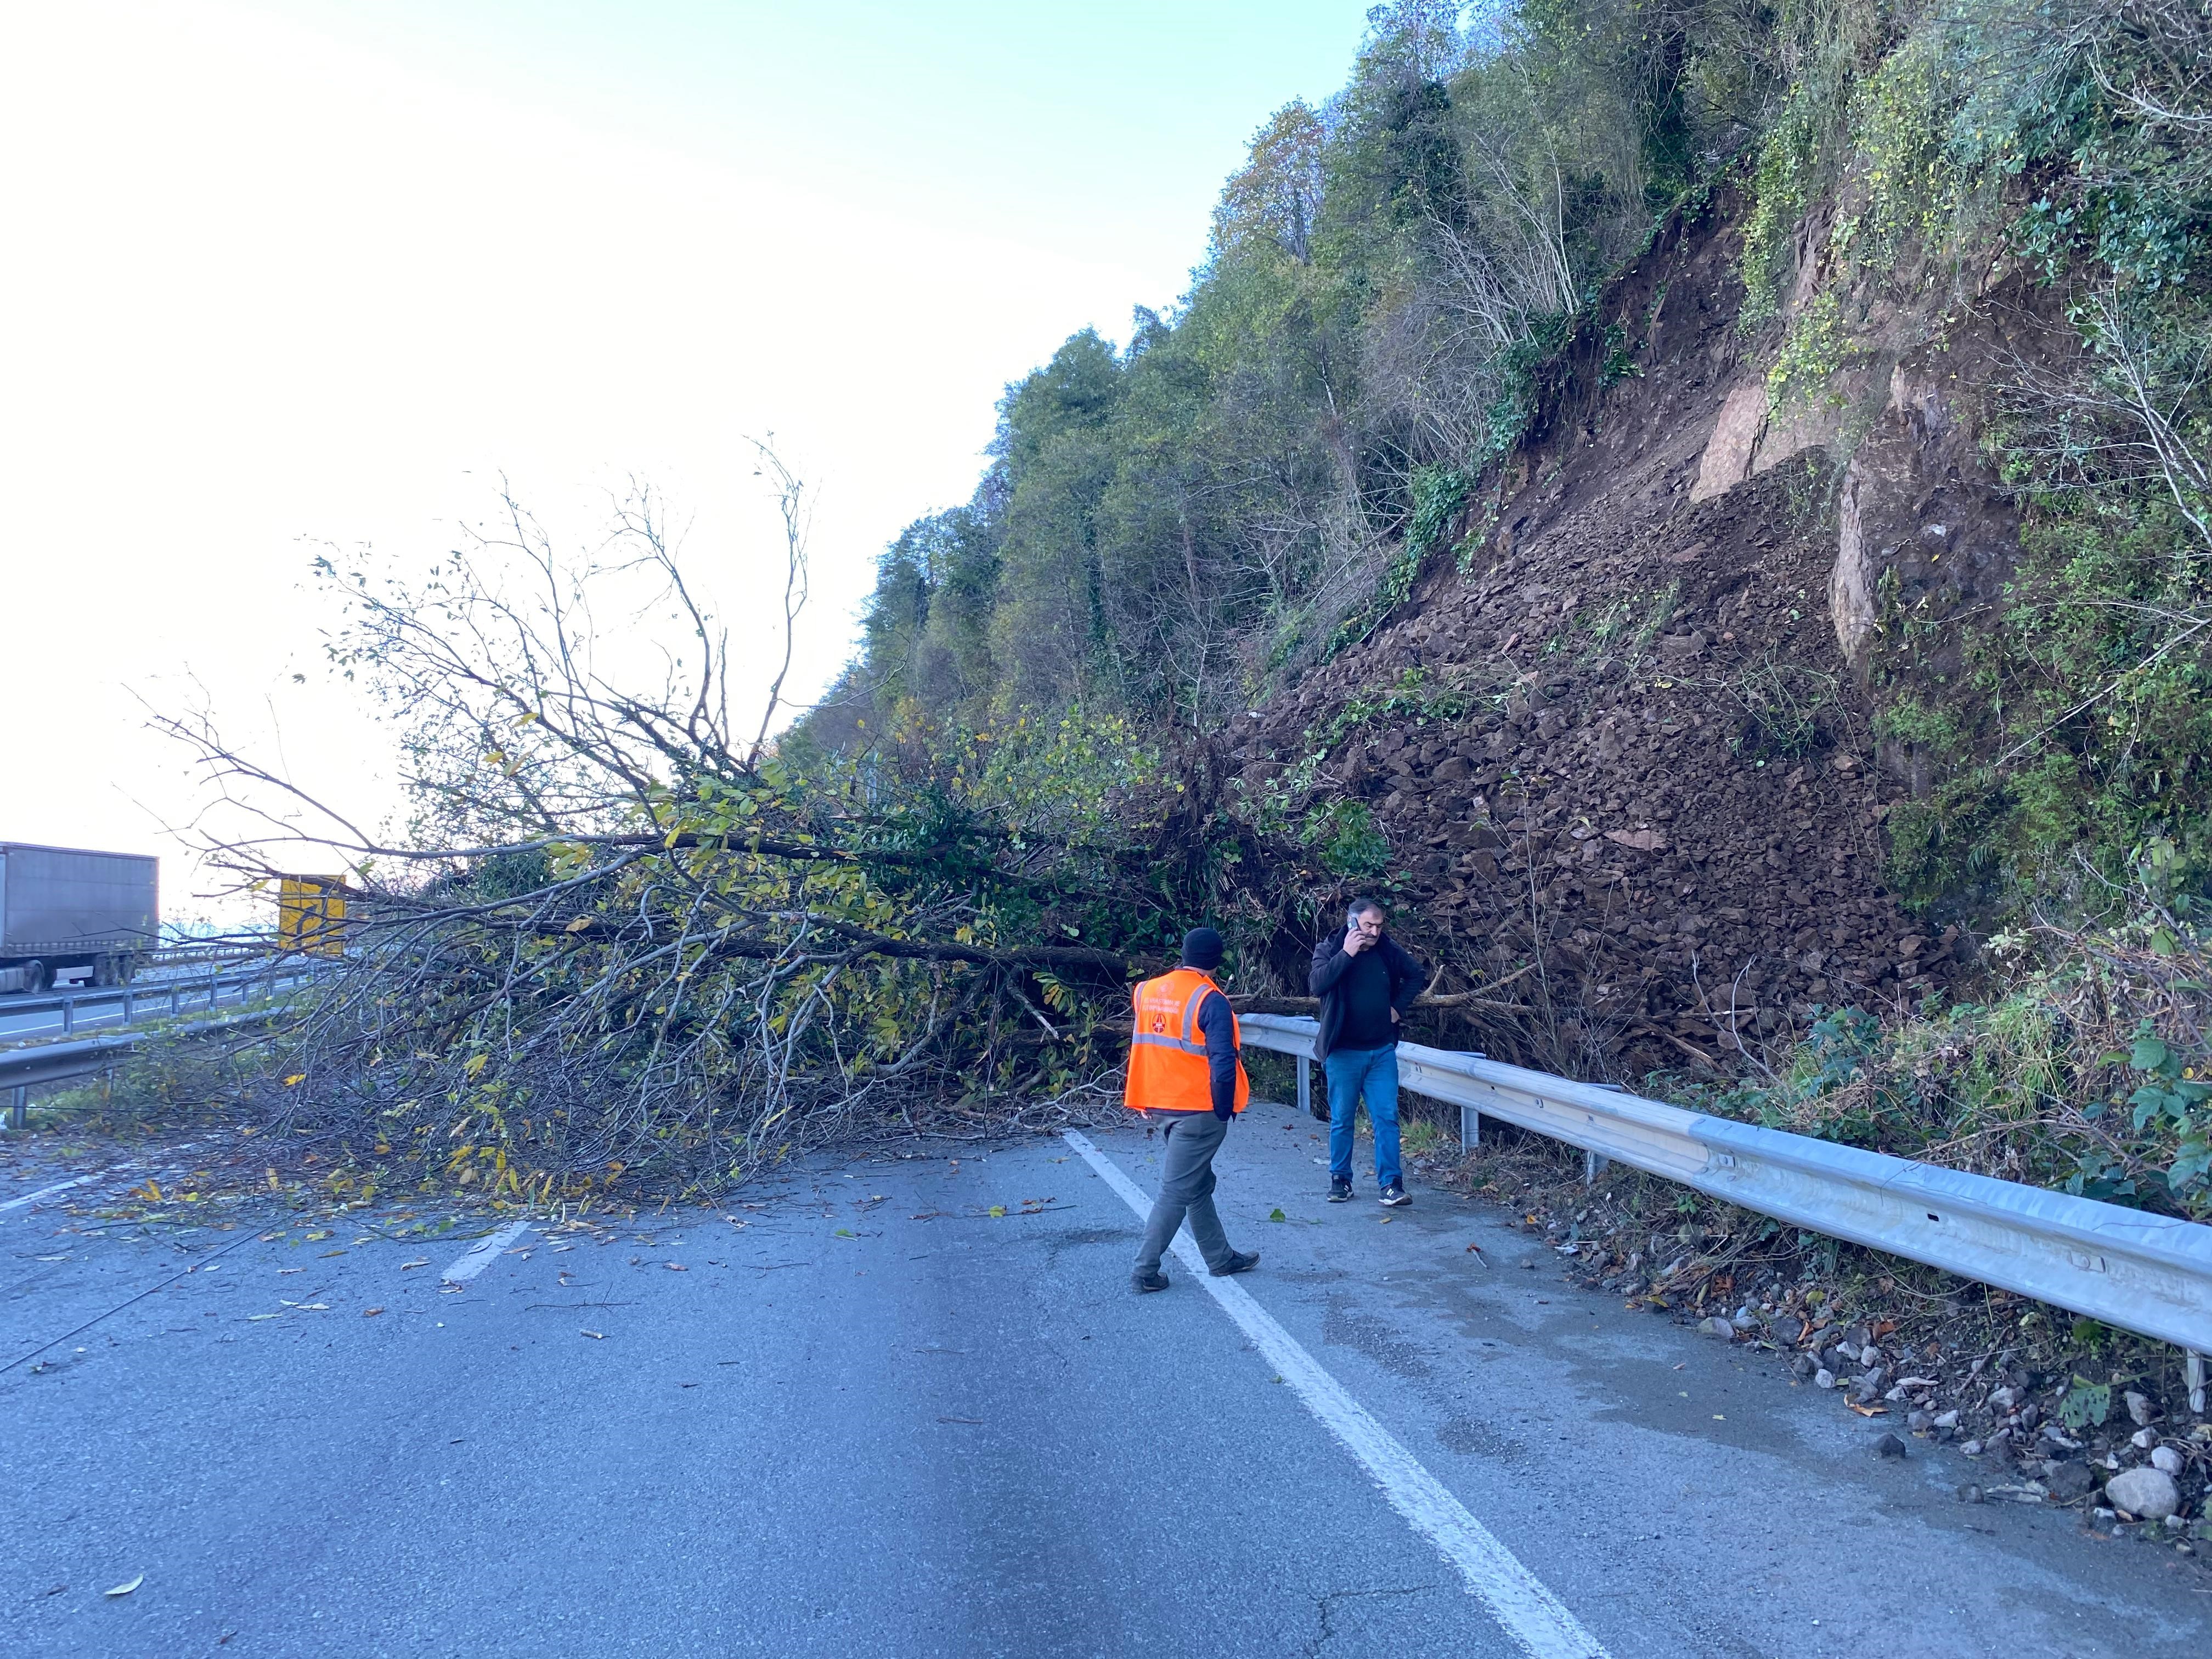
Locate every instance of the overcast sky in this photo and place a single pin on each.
(285, 276)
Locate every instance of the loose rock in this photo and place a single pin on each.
(2165, 1460)
(2139, 1407)
(2150, 1493)
(1717, 1326)
(1889, 1446)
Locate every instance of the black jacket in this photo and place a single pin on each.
(1407, 980)
(1220, 1026)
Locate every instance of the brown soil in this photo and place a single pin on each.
(1666, 792)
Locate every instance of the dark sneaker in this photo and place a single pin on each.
(1141, 1283)
(1394, 1196)
(1240, 1261)
(1339, 1190)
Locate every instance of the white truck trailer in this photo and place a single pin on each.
(63, 908)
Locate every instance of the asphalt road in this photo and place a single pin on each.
(876, 1419)
(91, 1018)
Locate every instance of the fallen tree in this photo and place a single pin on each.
(621, 931)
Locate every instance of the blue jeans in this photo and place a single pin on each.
(1373, 1073)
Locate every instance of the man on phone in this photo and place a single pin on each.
(1365, 982)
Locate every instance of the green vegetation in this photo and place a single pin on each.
(1256, 481)
(2061, 730)
(2062, 1080)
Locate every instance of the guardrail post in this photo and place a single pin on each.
(175, 1007)
(1305, 1085)
(2193, 1372)
(129, 1007)
(68, 1015)
(1470, 1128)
(1592, 1164)
(19, 1108)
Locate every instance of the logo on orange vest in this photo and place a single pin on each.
(1159, 1021)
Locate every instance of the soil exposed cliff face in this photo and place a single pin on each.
(1633, 745)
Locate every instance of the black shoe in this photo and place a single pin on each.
(1393, 1197)
(1141, 1283)
(1240, 1261)
(1339, 1190)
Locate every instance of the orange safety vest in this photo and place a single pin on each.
(1167, 1051)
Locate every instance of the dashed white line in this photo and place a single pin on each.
(478, 1256)
(46, 1192)
(1516, 1598)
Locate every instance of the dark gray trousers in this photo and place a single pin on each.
(1187, 1191)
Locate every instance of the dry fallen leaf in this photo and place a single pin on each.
(1867, 1411)
(125, 1589)
(675, 1267)
(370, 1313)
(597, 1336)
(327, 1255)
(419, 1261)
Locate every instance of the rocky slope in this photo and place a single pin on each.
(1631, 743)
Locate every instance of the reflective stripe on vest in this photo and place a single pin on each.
(1168, 1068)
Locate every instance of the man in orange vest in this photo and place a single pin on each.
(1185, 1064)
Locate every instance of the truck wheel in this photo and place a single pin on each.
(38, 978)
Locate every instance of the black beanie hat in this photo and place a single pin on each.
(1202, 948)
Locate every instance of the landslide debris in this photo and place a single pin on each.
(1625, 742)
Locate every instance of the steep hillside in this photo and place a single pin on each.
(1628, 741)
(1710, 511)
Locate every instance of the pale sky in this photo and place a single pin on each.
(284, 275)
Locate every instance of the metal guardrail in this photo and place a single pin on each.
(22, 1069)
(2148, 1273)
(171, 997)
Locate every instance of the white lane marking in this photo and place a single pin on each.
(478, 1256)
(46, 1192)
(1516, 1598)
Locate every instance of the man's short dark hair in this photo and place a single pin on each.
(1359, 908)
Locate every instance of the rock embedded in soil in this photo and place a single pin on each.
(2139, 1408)
(2165, 1460)
(2151, 1494)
